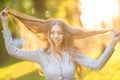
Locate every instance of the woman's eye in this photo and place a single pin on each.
(60, 33)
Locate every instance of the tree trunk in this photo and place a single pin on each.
(40, 8)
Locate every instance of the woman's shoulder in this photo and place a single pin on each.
(43, 50)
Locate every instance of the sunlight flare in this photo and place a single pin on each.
(96, 11)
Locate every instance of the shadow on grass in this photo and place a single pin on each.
(31, 76)
(9, 61)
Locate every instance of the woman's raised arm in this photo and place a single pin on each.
(10, 46)
(98, 64)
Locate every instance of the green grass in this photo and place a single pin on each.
(31, 76)
(14, 69)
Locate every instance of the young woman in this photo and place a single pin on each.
(59, 57)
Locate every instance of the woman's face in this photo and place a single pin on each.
(56, 35)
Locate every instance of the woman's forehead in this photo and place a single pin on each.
(56, 27)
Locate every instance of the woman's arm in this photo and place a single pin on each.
(98, 64)
(10, 46)
(109, 50)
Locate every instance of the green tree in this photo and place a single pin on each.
(3, 53)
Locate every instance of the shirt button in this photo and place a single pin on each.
(60, 77)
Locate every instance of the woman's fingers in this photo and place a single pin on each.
(6, 9)
(115, 31)
(116, 34)
(4, 12)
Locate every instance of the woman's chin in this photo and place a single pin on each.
(57, 45)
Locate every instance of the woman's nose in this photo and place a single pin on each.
(56, 35)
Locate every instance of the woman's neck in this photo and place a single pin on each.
(58, 53)
(59, 48)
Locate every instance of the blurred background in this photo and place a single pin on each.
(89, 14)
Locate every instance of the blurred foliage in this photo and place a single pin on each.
(3, 53)
(45, 9)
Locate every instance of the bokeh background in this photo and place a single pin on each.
(89, 14)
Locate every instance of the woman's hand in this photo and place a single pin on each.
(115, 35)
(4, 18)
